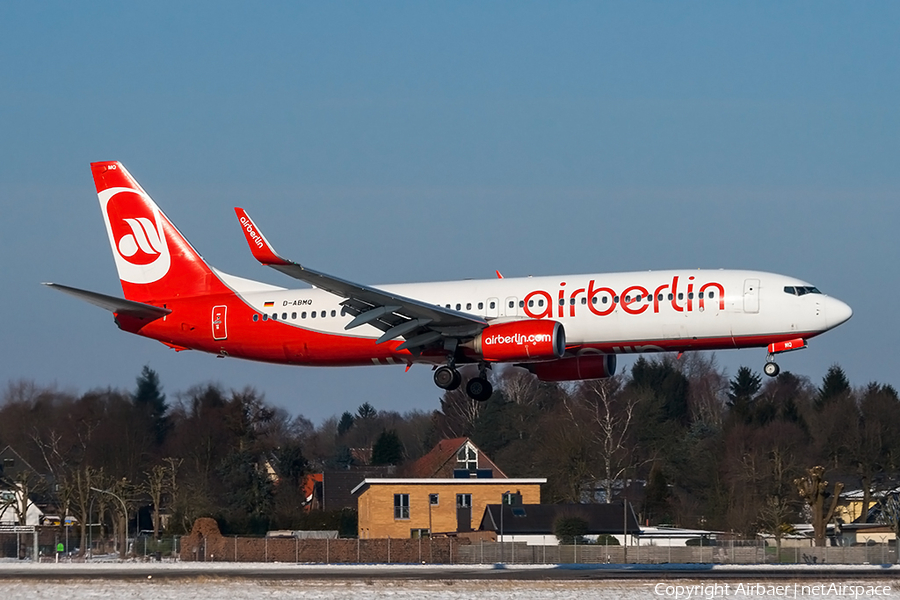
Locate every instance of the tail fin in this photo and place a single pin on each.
(154, 260)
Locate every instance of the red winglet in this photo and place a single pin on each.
(260, 247)
(499, 276)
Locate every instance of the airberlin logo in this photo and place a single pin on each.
(257, 239)
(518, 339)
(679, 295)
(144, 237)
(136, 234)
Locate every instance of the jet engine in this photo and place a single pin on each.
(521, 340)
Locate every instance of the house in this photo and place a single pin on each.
(19, 487)
(534, 524)
(445, 491)
(416, 507)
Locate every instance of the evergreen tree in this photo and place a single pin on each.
(744, 388)
(148, 397)
(834, 386)
(345, 424)
(366, 411)
(388, 449)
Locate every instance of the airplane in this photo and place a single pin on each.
(561, 328)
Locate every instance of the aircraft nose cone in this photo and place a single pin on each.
(837, 312)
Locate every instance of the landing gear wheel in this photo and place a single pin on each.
(447, 378)
(771, 369)
(479, 389)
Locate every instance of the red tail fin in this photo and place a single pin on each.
(154, 260)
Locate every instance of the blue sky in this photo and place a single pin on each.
(402, 141)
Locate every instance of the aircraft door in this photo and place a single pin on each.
(511, 306)
(751, 295)
(219, 329)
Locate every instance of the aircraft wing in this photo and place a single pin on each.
(116, 305)
(420, 324)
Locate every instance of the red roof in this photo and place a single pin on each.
(445, 451)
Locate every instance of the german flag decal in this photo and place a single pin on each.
(268, 304)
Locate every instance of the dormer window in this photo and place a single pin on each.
(467, 458)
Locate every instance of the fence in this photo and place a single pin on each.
(731, 552)
(64, 544)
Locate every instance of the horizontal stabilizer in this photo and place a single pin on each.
(120, 306)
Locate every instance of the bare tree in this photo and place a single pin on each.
(813, 490)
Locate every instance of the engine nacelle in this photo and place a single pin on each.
(587, 366)
(521, 340)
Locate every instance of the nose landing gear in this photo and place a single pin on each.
(771, 368)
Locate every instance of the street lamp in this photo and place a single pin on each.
(124, 512)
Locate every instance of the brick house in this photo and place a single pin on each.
(445, 491)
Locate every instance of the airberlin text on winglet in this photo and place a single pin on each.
(634, 299)
(251, 232)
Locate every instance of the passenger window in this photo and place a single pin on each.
(274, 316)
(691, 296)
(448, 306)
(571, 300)
(303, 315)
(708, 295)
(265, 317)
(541, 302)
(512, 303)
(659, 298)
(334, 313)
(594, 300)
(312, 315)
(562, 301)
(530, 303)
(680, 295)
(284, 316)
(584, 300)
(493, 305)
(293, 316)
(700, 295)
(468, 306)
(670, 296)
(323, 314)
(458, 306)
(616, 299)
(605, 299)
(638, 299)
(627, 298)
(521, 304)
(481, 306)
(255, 318)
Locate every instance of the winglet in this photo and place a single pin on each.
(499, 276)
(260, 247)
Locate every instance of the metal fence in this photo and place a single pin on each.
(61, 544)
(727, 552)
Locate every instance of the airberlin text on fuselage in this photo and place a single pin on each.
(257, 239)
(634, 300)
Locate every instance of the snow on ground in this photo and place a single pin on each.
(412, 590)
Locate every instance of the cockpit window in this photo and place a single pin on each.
(801, 290)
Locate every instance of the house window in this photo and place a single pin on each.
(433, 499)
(467, 458)
(401, 506)
(464, 501)
(419, 533)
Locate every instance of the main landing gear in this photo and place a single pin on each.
(771, 369)
(478, 388)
